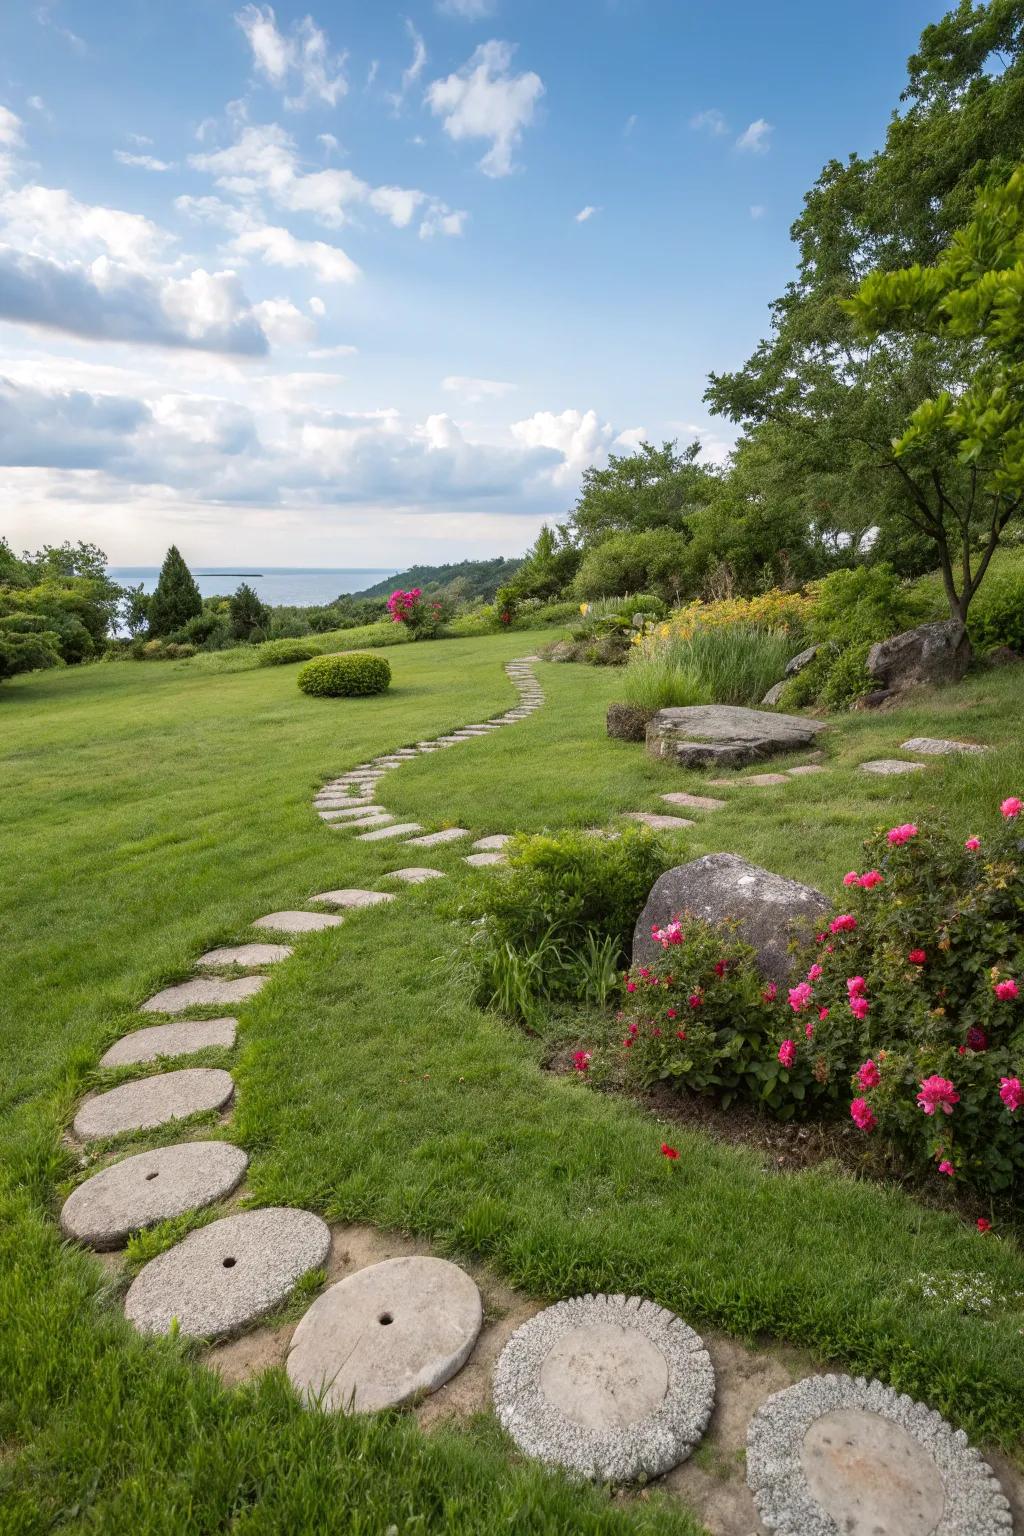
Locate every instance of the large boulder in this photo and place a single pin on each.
(931, 653)
(726, 735)
(769, 909)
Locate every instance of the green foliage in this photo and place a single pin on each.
(997, 617)
(867, 603)
(635, 562)
(176, 598)
(734, 664)
(464, 581)
(249, 617)
(209, 630)
(345, 676)
(27, 651)
(281, 653)
(56, 605)
(848, 678)
(649, 489)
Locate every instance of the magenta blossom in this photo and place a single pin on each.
(672, 933)
(770, 992)
(897, 835)
(852, 878)
(1012, 807)
(871, 879)
(937, 1093)
(787, 1052)
(844, 923)
(800, 997)
(862, 1115)
(1012, 1093)
(822, 1015)
(868, 1075)
(581, 1060)
(809, 1031)
(973, 844)
(815, 973)
(1007, 991)
(856, 986)
(860, 1007)
(946, 1167)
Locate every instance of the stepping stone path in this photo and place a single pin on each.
(151, 1101)
(204, 992)
(695, 802)
(481, 860)
(607, 1387)
(497, 840)
(149, 1187)
(386, 1334)
(297, 922)
(378, 819)
(399, 830)
(415, 874)
(752, 781)
(246, 954)
(887, 766)
(181, 1038)
(435, 839)
(835, 1454)
(353, 898)
(660, 823)
(930, 746)
(228, 1274)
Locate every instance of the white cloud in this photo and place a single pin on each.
(317, 307)
(39, 105)
(329, 142)
(473, 390)
(442, 220)
(586, 213)
(756, 138)
(144, 162)
(419, 58)
(50, 221)
(398, 204)
(283, 324)
(578, 436)
(44, 17)
(303, 56)
(711, 121)
(279, 248)
(10, 142)
(629, 440)
(757, 210)
(339, 351)
(467, 10)
(484, 100)
(140, 140)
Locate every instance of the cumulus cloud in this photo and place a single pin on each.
(473, 390)
(10, 142)
(711, 121)
(467, 10)
(302, 58)
(577, 436)
(442, 220)
(485, 100)
(279, 248)
(586, 213)
(48, 219)
(756, 138)
(143, 162)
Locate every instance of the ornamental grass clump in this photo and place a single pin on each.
(730, 664)
(345, 676)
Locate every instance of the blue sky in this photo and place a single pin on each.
(370, 284)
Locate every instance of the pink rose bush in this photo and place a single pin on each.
(420, 616)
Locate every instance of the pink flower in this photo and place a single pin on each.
(672, 933)
(787, 1052)
(973, 844)
(680, 1034)
(1012, 1093)
(856, 986)
(852, 878)
(860, 1007)
(870, 880)
(630, 986)
(809, 1031)
(815, 973)
(822, 1015)
(844, 923)
(868, 1075)
(917, 957)
(670, 1013)
(946, 1167)
(1007, 991)
(937, 1093)
(581, 1060)
(628, 1043)
(770, 993)
(800, 997)
(721, 966)
(1012, 807)
(862, 1115)
(897, 835)
(669, 1152)
(983, 1225)
(695, 1000)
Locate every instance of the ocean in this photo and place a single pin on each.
(293, 586)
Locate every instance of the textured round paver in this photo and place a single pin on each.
(398, 830)
(151, 1101)
(416, 874)
(297, 922)
(152, 1186)
(178, 1039)
(660, 823)
(386, 1334)
(227, 1274)
(496, 840)
(932, 746)
(353, 898)
(482, 860)
(204, 992)
(608, 1387)
(837, 1455)
(434, 839)
(889, 766)
(246, 954)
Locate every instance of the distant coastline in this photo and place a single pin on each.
(277, 585)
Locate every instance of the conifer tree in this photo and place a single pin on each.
(176, 599)
(250, 619)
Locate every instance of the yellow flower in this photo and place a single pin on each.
(584, 608)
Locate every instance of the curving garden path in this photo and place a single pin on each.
(607, 1387)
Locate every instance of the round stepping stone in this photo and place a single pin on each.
(178, 1039)
(415, 874)
(932, 746)
(606, 1387)
(660, 823)
(497, 840)
(152, 1101)
(804, 768)
(226, 1275)
(753, 781)
(152, 1186)
(837, 1454)
(481, 860)
(386, 1334)
(353, 898)
(347, 812)
(887, 766)
(396, 831)
(204, 992)
(297, 922)
(695, 802)
(246, 954)
(434, 839)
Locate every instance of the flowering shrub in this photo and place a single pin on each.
(422, 617)
(788, 611)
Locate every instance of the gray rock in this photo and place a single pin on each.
(496, 840)
(298, 922)
(353, 898)
(931, 653)
(204, 992)
(379, 818)
(800, 660)
(181, 1038)
(802, 769)
(481, 860)
(415, 874)
(695, 802)
(398, 830)
(931, 746)
(226, 1275)
(725, 735)
(149, 1187)
(385, 1335)
(774, 694)
(435, 839)
(660, 823)
(752, 781)
(889, 767)
(720, 887)
(152, 1101)
(245, 954)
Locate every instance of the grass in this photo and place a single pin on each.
(736, 664)
(152, 812)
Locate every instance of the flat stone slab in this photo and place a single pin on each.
(399, 830)
(607, 1387)
(482, 860)
(378, 819)
(416, 874)
(386, 1334)
(151, 1186)
(152, 1101)
(804, 768)
(297, 922)
(347, 812)
(660, 823)
(726, 735)
(226, 1275)
(932, 746)
(204, 992)
(496, 840)
(246, 954)
(435, 839)
(695, 802)
(891, 766)
(353, 898)
(181, 1038)
(752, 781)
(834, 1454)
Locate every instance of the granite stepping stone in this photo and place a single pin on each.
(752, 781)
(481, 860)
(891, 767)
(298, 922)
(931, 746)
(181, 1038)
(152, 1101)
(496, 840)
(695, 802)
(398, 830)
(151, 1186)
(435, 839)
(378, 819)
(347, 813)
(415, 874)
(246, 954)
(660, 823)
(804, 768)
(386, 1334)
(353, 898)
(607, 1387)
(227, 1274)
(204, 992)
(351, 805)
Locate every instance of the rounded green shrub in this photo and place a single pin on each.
(279, 653)
(997, 614)
(345, 676)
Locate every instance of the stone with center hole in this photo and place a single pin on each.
(871, 1476)
(604, 1376)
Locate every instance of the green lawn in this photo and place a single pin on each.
(153, 811)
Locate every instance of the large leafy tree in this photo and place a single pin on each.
(640, 492)
(176, 598)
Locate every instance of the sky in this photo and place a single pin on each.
(374, 284)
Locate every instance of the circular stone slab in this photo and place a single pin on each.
(152, 1101)
(297, 922)
(204, 992)
(385, 1334)
(178, 1039)
(227, 1274)
(837, 1454)
(353, 898)
(482, 860)
(415, 874)
(888, 766)
(608, 1387)
(246, 954)
(152, 1186)
(496, 840)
